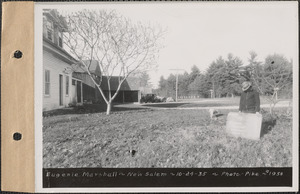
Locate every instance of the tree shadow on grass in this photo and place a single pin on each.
(219, 115)
(185, 105)
(89, 109)
(165, 105)
(267, 125)
(207, 104)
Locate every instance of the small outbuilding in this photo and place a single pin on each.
(129, 91)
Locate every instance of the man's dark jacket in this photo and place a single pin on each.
(249, 101)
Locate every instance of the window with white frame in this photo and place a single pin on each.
(50, 31)
(67, 85)
(47, 82)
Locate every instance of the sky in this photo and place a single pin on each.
(197, 33)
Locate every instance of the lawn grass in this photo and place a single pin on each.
(156, 138)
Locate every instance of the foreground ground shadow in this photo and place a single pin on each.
(267, 125)
(165, 105)
(90, 108)
(185, 105)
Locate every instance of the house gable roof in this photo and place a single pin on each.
(56, 18)
(93, 65)
(58, 51)
(52, 46)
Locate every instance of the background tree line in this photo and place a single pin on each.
(271, 77)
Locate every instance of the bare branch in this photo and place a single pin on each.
(120, 46)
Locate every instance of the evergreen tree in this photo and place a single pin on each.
(194, 73)
(183, 83)
(144, 79)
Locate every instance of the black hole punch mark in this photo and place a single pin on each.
(272, 62)
(18, 54)
(132, 152)
(17, 136)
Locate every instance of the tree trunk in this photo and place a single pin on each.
(271, 108)
(108, 109)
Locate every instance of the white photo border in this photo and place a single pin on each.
(38, 114)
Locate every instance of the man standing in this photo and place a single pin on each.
(249, 102)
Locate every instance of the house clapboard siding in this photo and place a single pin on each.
(59, 87)
(56, 68)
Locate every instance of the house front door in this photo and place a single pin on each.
(78, 92)
(61, 90)
(74, 91)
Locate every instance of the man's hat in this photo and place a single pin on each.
(246, 85)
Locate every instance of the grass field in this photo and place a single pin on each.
(145, 137)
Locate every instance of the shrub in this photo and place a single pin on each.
(159, 99)
(170, 99)
(148, 98)
(72, 104)
(152, 98)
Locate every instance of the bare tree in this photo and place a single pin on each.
(271, 76)
(121, 46)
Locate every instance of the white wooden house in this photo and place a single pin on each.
(64, 85)
(59, 88)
